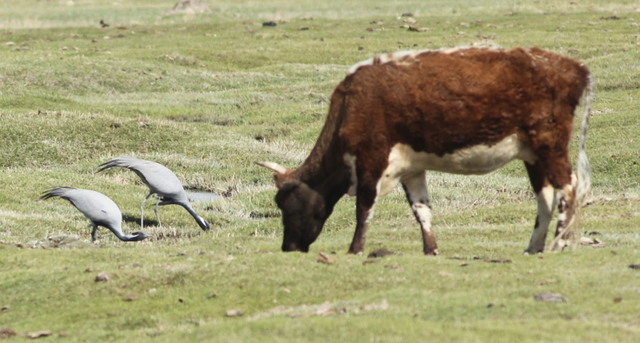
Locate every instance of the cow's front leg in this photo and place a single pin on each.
(366, 198)
(415, 188)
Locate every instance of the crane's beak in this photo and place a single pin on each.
(139, 235)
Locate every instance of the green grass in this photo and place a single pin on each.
(207, 95)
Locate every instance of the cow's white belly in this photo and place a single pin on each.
(480, 159)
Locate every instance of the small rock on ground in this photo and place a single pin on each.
(326, 259)
(234, 313)
(131, 297)
(38, 334)
(382, 252)
(550, 297)
(7, 333)
(102, 277)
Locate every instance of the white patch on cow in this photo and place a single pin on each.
(399, 57)
(416, 188)
(423, 212)
(350, 161)
(546, 203)
(407, 57)
(479, 159)
(564, 204)
(370, 214)
(559, 243)
(358, 65)
(453, 50)
(574, 182)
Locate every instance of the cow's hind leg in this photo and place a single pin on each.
(545, 195)
(415, 187)
(566, 215)
(557, 170)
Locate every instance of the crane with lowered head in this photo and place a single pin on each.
(98, 208)
(161, 181)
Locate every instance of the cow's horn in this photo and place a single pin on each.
(273, 166)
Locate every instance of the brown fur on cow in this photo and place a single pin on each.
(464, 111)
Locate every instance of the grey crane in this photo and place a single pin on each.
(161, 181)
(98, 208)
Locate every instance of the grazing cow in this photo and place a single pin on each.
(463, 111)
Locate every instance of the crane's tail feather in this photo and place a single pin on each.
(130, 163)
(61, 192)
(122, 161)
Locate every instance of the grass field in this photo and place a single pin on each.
(209, 94)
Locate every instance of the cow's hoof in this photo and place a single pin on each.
(532, 252)
(560, 245)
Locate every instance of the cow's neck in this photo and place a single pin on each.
(323, 163)
(324, 167)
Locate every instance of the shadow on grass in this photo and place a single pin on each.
(136, 220)
(158, 232)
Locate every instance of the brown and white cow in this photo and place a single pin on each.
(463, 111)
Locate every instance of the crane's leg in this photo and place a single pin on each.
(93, 232)
(142, 211)
(156, 211)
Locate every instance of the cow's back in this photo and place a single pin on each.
(439, 102)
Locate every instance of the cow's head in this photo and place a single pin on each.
(303, 209)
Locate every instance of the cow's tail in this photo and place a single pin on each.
(583, 169)
(581, 181)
